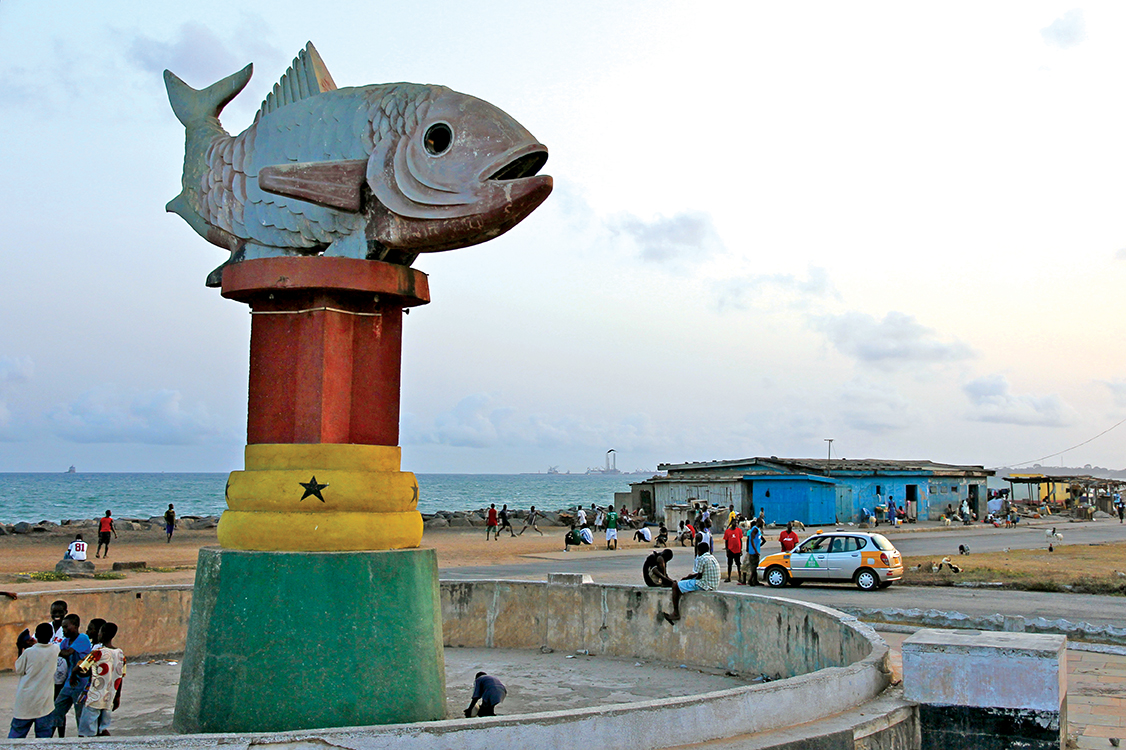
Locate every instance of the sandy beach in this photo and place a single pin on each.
(25, 553)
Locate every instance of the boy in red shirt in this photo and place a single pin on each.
(491, 523)
(105, 526)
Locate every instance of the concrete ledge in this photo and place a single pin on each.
(933, 618)
(152, 619)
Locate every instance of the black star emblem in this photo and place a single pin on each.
(415, 488)
(313, 488)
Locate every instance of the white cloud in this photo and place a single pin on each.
(478, 421)
(690, 235)
(1069, 30)
(13, 370)
(199, 56)
(993, 402)
(1117, 389)
(896, 341)
(875, 407)
(774, 290)
(16, 369)
(105, 415)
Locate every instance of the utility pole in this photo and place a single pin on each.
(829, 460)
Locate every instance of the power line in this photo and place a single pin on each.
(1060, 453)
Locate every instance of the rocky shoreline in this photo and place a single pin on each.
(439, 520)
(474, 518)
(80, 525)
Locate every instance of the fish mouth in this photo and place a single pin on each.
(518, 164)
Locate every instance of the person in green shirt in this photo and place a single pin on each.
(611, 528)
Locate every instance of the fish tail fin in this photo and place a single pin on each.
(191, 105)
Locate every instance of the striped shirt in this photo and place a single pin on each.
(709, 567)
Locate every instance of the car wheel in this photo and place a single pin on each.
(867, 580)
(776, 577)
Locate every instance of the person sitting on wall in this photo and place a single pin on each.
(586, 534)
(655, 569)
(490, 691)
(662, 537)
(643, 535)
(704, 577)
(639, 518)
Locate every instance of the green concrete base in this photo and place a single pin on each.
(300, 640)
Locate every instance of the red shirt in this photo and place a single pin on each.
(734, 539)
(789, 540)
(105, 524)
(491, 519)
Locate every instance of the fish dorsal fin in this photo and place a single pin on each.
(307, 76)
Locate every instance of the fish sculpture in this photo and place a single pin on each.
(380, 172)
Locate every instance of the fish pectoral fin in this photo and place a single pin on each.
(333, 184)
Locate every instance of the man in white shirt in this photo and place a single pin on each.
(76, 550)
(35, 699)
(582, 518)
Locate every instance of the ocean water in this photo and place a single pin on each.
(53, 497)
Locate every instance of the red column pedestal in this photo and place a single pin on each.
(323, 408)
(325, 347)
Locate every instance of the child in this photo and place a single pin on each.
(35, 700)
(106, 667)
(74, 649)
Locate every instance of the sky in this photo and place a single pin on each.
(896, 225)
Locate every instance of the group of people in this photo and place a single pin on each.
(60, 668)
(609, 521)
(78, 549)
(742, 541)
(497, 521)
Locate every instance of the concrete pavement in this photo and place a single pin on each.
(928, 538)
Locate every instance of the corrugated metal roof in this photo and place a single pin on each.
(825, 466)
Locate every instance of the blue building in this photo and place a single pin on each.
(817, 491)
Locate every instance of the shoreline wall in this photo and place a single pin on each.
(152, 620)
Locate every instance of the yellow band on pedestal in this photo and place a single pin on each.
(322, 497)
(273, 490)
(302, 456)
(319, 532)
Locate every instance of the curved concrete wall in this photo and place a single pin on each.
(832, 663)
(743, 633)
(150, 619)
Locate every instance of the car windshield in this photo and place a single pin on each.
(814, 544)
(883, 543)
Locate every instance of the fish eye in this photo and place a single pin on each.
(438, 139)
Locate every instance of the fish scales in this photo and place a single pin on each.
(421, 158)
